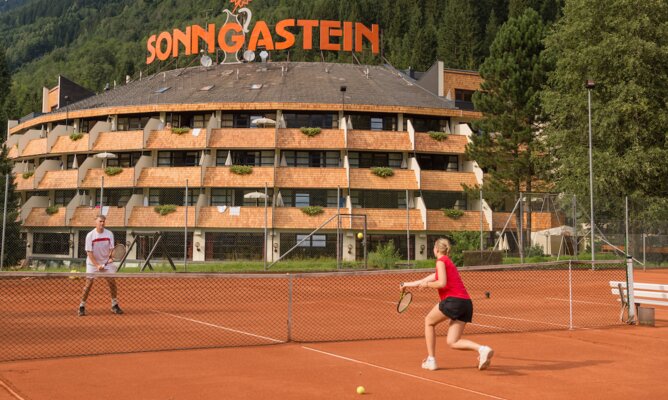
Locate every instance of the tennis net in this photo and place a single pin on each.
(38, 311)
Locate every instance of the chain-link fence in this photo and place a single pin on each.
(39, 312)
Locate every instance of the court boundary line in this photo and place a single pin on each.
(403, 373)
(583, 301)
(220, 327)
(11, 392)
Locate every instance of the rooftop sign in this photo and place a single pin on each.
(233, 35)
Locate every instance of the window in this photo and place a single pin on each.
(464, 99)
(426, 124)
(298, 120)
(438, 162)
(131, 123)
(378, 199)
(359, 159)
(51, 243)
(376, 122)
(63, 197)
(312, 247)
(70, 160)
(234, 246)
(86, 125)
(114, 197)
(314, 159)
(178, 158)
(158, 197)
(305, 197)
(124, 160)
(437, 200)
(252, 158)
(222, 197)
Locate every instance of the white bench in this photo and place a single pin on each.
(655, 294)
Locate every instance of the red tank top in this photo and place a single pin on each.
(454, 287)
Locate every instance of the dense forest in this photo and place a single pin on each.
(95, 42)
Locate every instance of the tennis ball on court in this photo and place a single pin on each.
(360, 236)
(360, 389)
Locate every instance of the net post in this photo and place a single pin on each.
(629, 290)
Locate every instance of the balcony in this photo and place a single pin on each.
(119, 141)
(438, 222)
(24, 184)
(539, 220)
(327, 139)
(84, 217)
(248, 218)
(93, 179)
(379, 141)
(365, 179)
(454, 144)
(166, 140)
(389, 219)
(447, 181)
(65, 179)
(243, 138)
(223, 177)
(35, 147)
(170, 177)
(312, 178)
(66, 145)
(294, 218)
(38, 218)
(147, 217)
(13, 152)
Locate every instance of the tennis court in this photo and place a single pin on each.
(329, 333)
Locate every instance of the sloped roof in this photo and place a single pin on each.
(285, 82)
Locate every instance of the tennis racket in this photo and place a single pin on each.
(117, 253)
(404, 300)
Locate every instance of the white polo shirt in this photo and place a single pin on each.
(100, 244)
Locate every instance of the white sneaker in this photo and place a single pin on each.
(485, 357)
(430, 364)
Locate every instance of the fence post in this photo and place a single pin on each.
(4, 224)
(629, 290)
(408, 231)
(185, 234)
(289, 307)
(570, 294)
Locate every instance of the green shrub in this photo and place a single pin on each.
(27, 175)
(76, 136)
(384, 256)
(241, 169)
(312, 210)
(452, 213)
(180, 131)
(165, 209)
(310, 132)
(438, 136)
(51, 210)
(535, 251)
(111, 171)
(383, 172)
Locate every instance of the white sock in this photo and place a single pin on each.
(82, 304)
(430, 358)
(114, 302)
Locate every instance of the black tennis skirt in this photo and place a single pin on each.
(457, 309)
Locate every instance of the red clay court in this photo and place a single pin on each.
(611, 361)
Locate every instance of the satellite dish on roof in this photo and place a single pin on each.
(206, 61)
(249, 55)
(264, 55)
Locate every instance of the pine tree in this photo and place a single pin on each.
(507, 146)
(459, 41)
(14, 247)
(628, 60)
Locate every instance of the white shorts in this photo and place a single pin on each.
(109, 268)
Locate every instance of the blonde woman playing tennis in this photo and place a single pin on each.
(455, 304)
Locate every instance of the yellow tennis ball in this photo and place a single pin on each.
(360, 389)
(360, 236)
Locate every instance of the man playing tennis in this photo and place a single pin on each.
(99, 243)
(455, 305)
